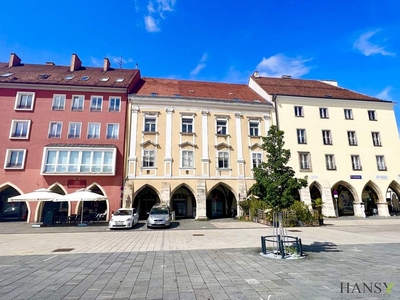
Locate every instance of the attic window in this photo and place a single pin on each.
(119, 79)
(104, 79)
(236, 99)
(43, 76)
(153, 94)
(177, 95)
(256, 100)
(85, 78)
(6, 74)
(328, 96)
(69, 77)
(230, 94)
(191, 91)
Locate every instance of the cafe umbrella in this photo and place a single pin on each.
(37, 195)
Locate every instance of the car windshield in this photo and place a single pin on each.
(123, 212)
(159, 211)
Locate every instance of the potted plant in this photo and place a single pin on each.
(317, 205)
(245, 206)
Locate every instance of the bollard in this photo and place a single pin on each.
(263, 247)
(282, 249)
(297, 245)
(301, 248)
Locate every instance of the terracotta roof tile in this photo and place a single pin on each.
(307, 88)
(197, 89)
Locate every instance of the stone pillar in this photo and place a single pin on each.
(328, 208)
(305, 196)
(127, 196)
(383, 209)
(165, 193)
(359, 209)
(201, 211)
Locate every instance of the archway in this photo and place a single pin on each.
(344, 202)
(144, 201)
(370, 197)
(220, 202)
(393, 197)
(11, 211)
(56, 208)
(315, 193)
(183, 202)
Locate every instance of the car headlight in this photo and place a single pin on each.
(129, 219)
(167, 218)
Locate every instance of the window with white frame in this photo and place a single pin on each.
(74, 130)
(326, 137)
(376, 139)
(323, 113)
(93, 131)
(305, 161)
(112, 131)
(58, 102)
(372, 115)
(298, 111)
(15, 159)
(149, 158)
(348, 114)
(187, 159)
(380, 161)
(301, 136)
(256, 159)
(355, 162)
(77, 103)
(114, 104)
(150, 124)
(223, 160)
(20, 129)
(96, 103)
(24, 101)
(77, 161)
(254, 128)
(351, 135)
(330, 162)
(187, 125)
(55, 130)
(222, 127)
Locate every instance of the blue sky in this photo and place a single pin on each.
(354, 42)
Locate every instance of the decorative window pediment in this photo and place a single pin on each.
(254, 146)
(185, 144)
(148, 142)
(223, 145)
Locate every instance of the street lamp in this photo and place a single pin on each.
(336, 196)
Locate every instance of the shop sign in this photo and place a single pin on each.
(76, 183)
(355, 177)
(381, 177)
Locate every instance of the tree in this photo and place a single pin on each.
(276, 183)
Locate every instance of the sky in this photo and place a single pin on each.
(356, 43)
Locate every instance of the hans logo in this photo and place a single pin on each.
(366, 287)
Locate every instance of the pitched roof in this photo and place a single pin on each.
(197, 89)
(307, 88)
(33, 74)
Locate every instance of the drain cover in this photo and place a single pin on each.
(63, 250)
(198, 234)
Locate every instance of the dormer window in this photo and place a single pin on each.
(85, 78)
(153, 94)
(104, 79)
(6, 74)
(43, 76)
(119, 80)
(69, 77)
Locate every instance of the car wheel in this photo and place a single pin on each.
(148, 226)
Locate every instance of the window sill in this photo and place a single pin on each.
(187, 133)
(254, 136)
(150, 132)
(222, 135)
(224, 169)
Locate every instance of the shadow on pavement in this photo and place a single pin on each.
(321, 247)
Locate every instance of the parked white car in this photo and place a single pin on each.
(124, 218)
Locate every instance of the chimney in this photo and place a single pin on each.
(106, 64)
(255, 74)
(50, 63)
(75, 63)
(14, 60)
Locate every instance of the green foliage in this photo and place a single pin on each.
(245, 206)
(299, 212)
(317, 205)
(256, 204)
(276, 183)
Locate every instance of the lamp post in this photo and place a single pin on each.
(336, 196)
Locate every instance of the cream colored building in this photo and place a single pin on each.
(346, 143)
(192, 145)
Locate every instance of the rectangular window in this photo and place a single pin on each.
(77, 103)
(301, 136)
(256, 159)
(254, 128)
(352, 138)
(114, 104)
(326, 137)
(24, 101)
(372, 115)
(96, 103)
(20, 129)
(15, 159)
(93, 131)
(222, 127)
(187, 125)
(187, 159)
(323, 113)
(112, 131)
(305, 161)
(330, 162)
(380, 161)
(55, 130)
(149, 158)
(355, 162)
(348, 114)
(150, 124)
(58, 102)
(223, 160)
(74, 130)
(376, 139)
(298, 111)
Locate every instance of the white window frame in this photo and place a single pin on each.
(223, 156)
(327, 137)
(376, 138)
(254, 130)
(114, 127)
(19, 97)
(372, 115)
(13, 129)
(301, 136)
(58, 131)
(298, 111)
(356, 163)
(380, 162)
(330, 162)
(187, 159)
(148, 158)
(96, 103)
(112, 107)
(348, 114)
(81, 99)
(323, 113)
(93, 130)
(221, 126)
(58, 102)
(7, 162)
(148, 121)
(352, 138)
(185, 127)
(256, 159)
(305, 161)
(74, 135)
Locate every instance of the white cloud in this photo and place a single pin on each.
(151, 24)
(155, 11)
(200, 66)
(366, 47)
(279, 64)
(236, 76)
(96, 62)
(384, 95)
